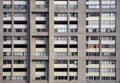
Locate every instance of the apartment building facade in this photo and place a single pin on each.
(59, 41)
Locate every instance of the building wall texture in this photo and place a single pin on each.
(59, 41)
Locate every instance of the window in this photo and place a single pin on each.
(20, 53)
(73, 38)
(60, 14)
(92, 54)
(93, 78)
(60, 53)
(40, 78)
(73, 15)
(60, 38)
(60, 62)
(19, 78)
(41, 54)
(108, 4)
(92, 14)
(73, 77)
(92, 70)
(92, 62)
(108, 38)
(108, 14)
(7, 6)
(108, 62)
(18, 30)
(20, 14)
(61, 30)
(7, 54)
(20, 6)
(108, 54)
(41, 62)
(7, 14)
(41, 30)
(7, 38)
(41, 14)
(88, 38)
(20, 38)
(20, 61)
(6, 61)
(73, 53)
(6, 77)
(108, 70)
(7, 30)
(60, 77)
(108, 78)
(40, 38)
(73, 61)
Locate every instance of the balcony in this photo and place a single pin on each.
(7, 42)
(108, 42)
(73, 42)
(73, 65)
(92, 50)
(93, 42)
(42, 73)
(6, 73)
(20, 18)
(108, 50)
(92, 18)
(20, 26)
(108, 66)
(60, 42)
(92, 66)
(40, 4)
(92, 26)
(20, 2)
(20, 41)
(19, 66)
(60, 6)
(73, 18)
(60, 66)
(7, 26)
(7, 66)
(109, 2)
(60, 18)
(40, 18)
(40, 66)
(40, 42)
(7, 4)
(7, 18)
(73, 4)
(93, 2)
(40, 26)
(108, 26)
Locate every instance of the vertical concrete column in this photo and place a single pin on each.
(51, 41)
(118, 42)
(12, 40)
(81, 41)
(1, 39)
(31, 42)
